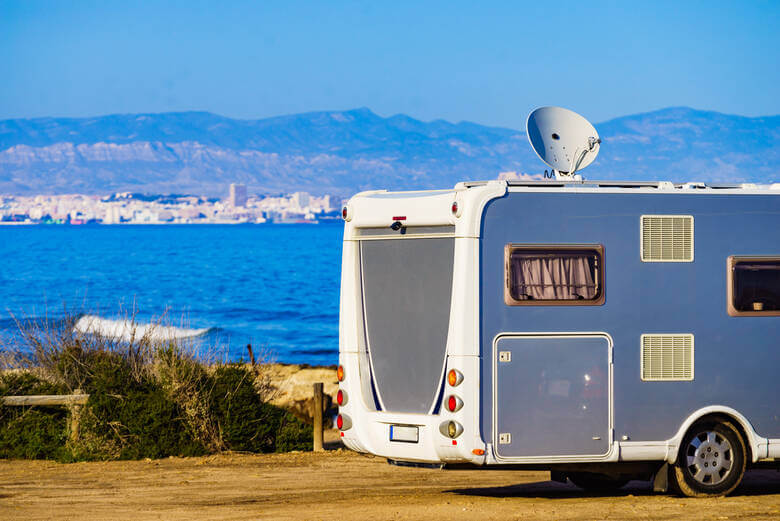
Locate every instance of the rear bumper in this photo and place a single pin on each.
(370, 429)
(370, 432)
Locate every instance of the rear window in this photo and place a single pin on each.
(407, 292)
(754, 286)
(562, 275)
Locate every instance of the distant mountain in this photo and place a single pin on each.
(346, 151)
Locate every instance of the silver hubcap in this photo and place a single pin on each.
(709, 458)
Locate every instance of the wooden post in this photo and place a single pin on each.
(251, 353)
(318, 436)
(75, 418)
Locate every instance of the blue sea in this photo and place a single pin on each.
(274, 286)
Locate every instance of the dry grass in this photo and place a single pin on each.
(71, 353)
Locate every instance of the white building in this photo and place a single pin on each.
(300, 200)
(237, 195)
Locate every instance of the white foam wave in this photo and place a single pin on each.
(126, 330)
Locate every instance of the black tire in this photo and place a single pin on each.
(593, 482)
(711, 461)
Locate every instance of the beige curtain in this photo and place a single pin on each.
(567, 277)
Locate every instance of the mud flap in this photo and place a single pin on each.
(661, 479)
(557, 476)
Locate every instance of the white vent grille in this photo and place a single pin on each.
(667, 357)
(666, 238)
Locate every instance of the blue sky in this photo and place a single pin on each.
(454, 60)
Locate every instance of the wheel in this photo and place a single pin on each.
(711, 460)
(596, 482)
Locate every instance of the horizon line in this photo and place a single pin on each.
(365, 109)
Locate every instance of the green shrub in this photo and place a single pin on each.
(187, 382)
(131, 411)
(35, 433)
(25, 383)
(249, 424)
(245, 422)
(148, 399)
(31, 432)
(293, 434)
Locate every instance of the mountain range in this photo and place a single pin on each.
(342, 152)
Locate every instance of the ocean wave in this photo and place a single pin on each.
(126, 330)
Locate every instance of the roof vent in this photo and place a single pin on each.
(666, 238)
(667, 357)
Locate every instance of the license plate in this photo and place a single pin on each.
(405, 433)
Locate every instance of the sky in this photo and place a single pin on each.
(486, 62)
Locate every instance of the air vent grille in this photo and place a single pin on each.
(667, 238)
(667, 357)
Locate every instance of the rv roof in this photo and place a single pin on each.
(662, 185)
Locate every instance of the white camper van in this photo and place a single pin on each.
(605, 331)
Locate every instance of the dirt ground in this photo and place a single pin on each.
(339, 485)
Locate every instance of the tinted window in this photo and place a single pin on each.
(756, 285)
(556, 275)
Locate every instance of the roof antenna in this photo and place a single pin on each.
(563, 139)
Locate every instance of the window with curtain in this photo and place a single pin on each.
(563, 275)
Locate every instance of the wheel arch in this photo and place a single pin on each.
(718, 412)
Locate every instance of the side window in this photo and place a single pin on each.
(753, 286)
(561, 275)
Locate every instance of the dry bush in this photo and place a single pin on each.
(150, 395)
(185, 380)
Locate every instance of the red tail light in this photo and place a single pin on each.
(454, 403)
(343, 422)
(341, 397)
(455, 207)
(344, 213)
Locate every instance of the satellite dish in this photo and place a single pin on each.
(563, 139)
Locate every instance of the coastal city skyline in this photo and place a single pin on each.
(238, 207)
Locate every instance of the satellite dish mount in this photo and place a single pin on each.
(563, 139)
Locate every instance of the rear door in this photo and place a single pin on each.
(407, 290)
(552, 395)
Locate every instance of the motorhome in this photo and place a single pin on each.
(605, 331)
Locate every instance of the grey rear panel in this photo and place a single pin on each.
(553, 396)
(407, 288)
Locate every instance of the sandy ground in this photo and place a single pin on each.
(338, 484)
(294, 386)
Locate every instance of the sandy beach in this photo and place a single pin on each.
(338, 484)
